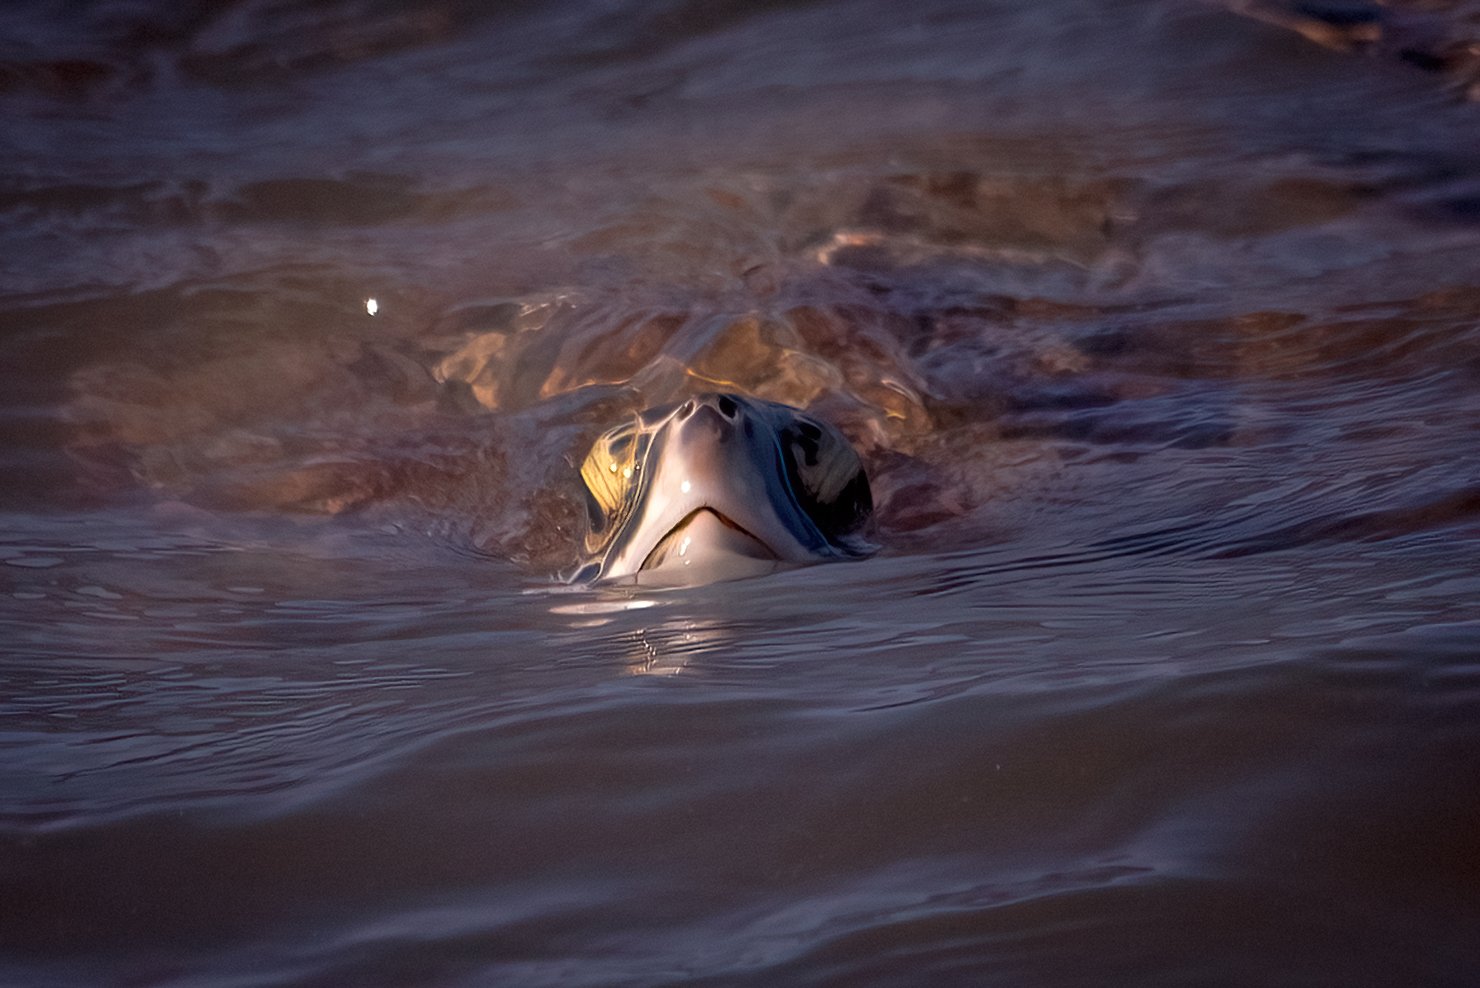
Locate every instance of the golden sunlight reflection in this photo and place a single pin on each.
(666, 649)
(662, 648)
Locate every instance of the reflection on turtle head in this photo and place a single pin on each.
(720, 487)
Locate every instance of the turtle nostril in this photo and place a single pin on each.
(727, 406)
(686, 409)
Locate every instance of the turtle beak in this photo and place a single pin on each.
(707, 540)
(714, 504)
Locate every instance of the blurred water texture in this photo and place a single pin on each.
(1157, 324)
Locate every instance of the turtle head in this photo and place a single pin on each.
(719, 487)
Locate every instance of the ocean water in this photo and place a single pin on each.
(1157, 325)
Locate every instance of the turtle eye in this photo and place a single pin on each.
(607, 474)
(596, 518)
(828, 477)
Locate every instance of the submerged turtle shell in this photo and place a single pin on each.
(954, 327)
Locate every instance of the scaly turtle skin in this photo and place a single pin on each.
(720, 487)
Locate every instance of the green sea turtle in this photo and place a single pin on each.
(959, 330)
(718, 487)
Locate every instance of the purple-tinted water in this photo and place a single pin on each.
(1157, 325)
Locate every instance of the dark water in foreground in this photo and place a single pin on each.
(1158, 327)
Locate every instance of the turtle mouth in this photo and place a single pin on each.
(703, 536)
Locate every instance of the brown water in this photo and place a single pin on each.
(1158, 326)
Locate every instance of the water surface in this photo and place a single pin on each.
(1157, 325)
